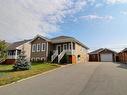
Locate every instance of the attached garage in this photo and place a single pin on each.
(103, 55)
(106, 57)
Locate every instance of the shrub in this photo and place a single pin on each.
(22, 63)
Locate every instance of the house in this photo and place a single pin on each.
(103, 55)
(16, 48)
(59, 49)
(122, 56)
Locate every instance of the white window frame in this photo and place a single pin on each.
(34, 48)
(43, 47)
(38, 47)
(64, 45)
(69, 45)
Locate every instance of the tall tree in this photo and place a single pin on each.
(3, 50)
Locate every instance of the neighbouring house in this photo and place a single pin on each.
(103, 55)
(16, 48)
(122, 56)
(62, 49)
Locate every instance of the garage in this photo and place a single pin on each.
(102, 55)
(106, 57)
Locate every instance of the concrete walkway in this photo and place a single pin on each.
(79, 79)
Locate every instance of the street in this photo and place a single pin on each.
(77, 79)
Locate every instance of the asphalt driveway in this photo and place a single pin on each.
(79, 79)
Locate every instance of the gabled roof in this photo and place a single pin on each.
(124, 50)
(40, 37)
(96, 51)
(100, 50)
(14, 45)
(61, 39)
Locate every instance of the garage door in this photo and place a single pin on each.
(106, 57)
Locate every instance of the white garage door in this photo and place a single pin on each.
(106, 57)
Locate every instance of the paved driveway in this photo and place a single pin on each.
(79, 79)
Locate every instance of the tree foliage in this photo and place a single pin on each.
(22, 63)
(3, 50)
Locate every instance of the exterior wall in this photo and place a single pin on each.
(97, 57)
(9, 61)
(79, 50)
(40, 55)
(27, 49)
(123, 57)
(74, 52)
(93, 57)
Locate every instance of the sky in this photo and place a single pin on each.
(96, 23)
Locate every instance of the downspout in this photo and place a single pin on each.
(47, 52)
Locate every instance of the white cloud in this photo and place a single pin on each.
(124, 12)
(98, 5)
(96, 17)
(21, 19)
(115, 1)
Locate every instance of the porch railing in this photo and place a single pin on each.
(11, 57)
(60, 56)
(54, 55)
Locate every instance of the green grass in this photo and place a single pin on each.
(7, 75)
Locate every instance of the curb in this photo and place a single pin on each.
(46, 72)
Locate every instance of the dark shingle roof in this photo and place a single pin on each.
(61, 39)
(99, 50)
(96, 51)
(124, 50)
(16, 44)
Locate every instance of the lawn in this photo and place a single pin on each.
(7, 75)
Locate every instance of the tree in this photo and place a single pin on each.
(22, 63)
(3, 51)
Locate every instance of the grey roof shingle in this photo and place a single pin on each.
(124, 50)
(99, 50)
(61, 39)
(16, 44)
(96, 51)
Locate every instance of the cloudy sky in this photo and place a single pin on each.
(96, 23)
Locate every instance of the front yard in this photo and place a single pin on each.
(7, 75)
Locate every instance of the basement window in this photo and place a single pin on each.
(79, 57)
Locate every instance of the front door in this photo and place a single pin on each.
(59, 49)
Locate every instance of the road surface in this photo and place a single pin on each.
(78, 79)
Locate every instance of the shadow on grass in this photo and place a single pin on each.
(6, 71)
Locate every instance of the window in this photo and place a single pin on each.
(78, 57)
(33, 47)
(65, 47)
(43, 48)
(38, 47)
(73, 46)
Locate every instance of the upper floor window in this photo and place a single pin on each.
(43, 48)
(73, 46)
(33, 47)
(38, 47)
(65, 46)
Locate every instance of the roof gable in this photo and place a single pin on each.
(125, 50)
(44, 38)
(101, 50)
(14, 45)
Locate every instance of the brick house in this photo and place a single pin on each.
(103, 55)
(122, 56)
(55, 50)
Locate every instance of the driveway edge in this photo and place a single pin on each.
(46, 72)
